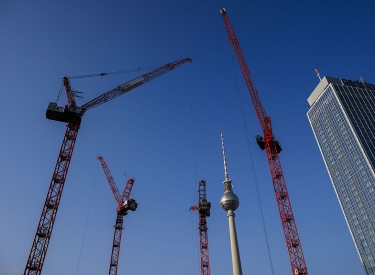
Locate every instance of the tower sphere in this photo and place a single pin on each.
(229, 201)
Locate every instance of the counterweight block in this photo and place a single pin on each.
(204, 207)
(126, 206)
(63, 114)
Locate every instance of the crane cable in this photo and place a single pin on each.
(87, 218)
(117, 169)
(193, 129)
(195, 169)
(104, 74)
(60, 91)
(252, 164)
(115, 72)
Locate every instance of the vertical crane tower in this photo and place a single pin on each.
(72, 115)
(124, 204)
(203, 209)
(273, 148)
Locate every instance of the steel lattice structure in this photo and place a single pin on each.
(124, 203)
(203, 209)
(115, 254)
(45, 226)
(273, 148)
(72, 115)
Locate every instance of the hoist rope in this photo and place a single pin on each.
(87, 218)
(59, 94)
(194, 140)
(195, 169)
(116, 72)
(252, 165)
(84, 98)
(114, 167)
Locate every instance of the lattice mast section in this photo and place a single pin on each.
(72, 115)
(43, 233)
(203, 209)
(273, 148)
(124, 203)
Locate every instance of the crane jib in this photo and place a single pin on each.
(132, 82)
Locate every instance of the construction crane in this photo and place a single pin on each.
(269, 143)
(203, 209)
(72, 115)
(124, 204)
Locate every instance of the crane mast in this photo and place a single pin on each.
(47, 219)
(125, 203)
(203, 209)
(72, 115)
(122, 210)
(273, 148)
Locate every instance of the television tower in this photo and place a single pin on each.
(230, 202)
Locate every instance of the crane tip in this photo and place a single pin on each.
(223, 10)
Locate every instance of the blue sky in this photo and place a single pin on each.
(149, 133)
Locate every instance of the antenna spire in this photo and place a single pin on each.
(363, 82)
(224, 158)
(318, 74)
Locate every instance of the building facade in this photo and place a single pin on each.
(342, 117)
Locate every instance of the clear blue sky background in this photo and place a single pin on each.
(148, 133)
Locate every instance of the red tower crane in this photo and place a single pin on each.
(203, 209)
(273, 148)
(72, 115)
(124, 204)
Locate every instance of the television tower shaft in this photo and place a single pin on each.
(230, 202)
(273, 148)
(203, 208)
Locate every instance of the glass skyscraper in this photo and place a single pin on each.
(342, 117)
